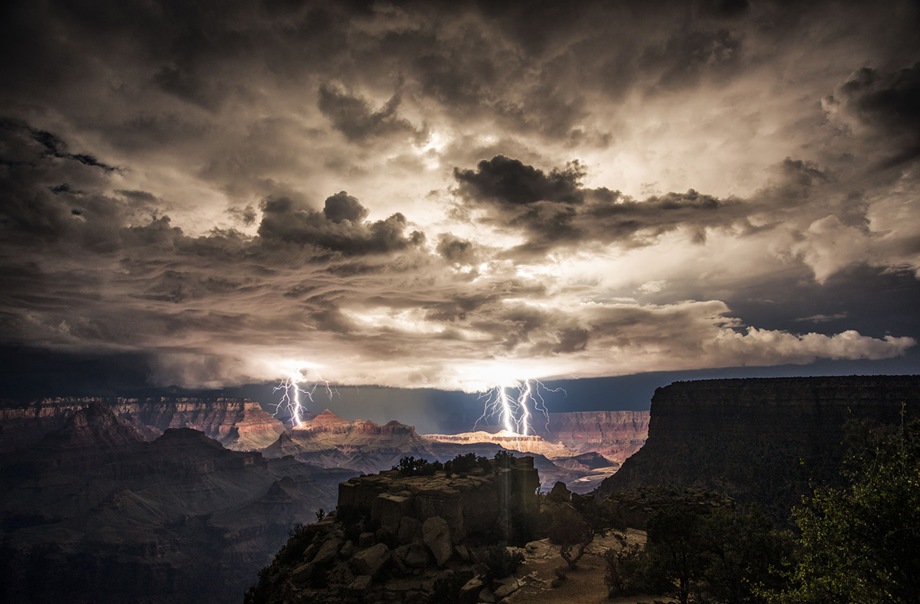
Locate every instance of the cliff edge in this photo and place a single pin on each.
(758, 440)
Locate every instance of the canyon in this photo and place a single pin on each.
(183, 499)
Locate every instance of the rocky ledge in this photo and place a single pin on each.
(397, 538)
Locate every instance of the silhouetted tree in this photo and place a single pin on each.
(861, 543)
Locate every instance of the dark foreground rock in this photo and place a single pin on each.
(420, 539)
(94, 513)
(760, 441)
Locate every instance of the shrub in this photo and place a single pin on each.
(499, 561)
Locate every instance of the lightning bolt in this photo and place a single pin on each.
(291, 389)
(514, 412)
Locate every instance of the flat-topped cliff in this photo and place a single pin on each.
(758, 440)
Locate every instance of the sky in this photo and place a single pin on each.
(451, 196)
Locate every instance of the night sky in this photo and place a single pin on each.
(456, 195)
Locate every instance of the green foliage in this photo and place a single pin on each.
(861, 543)
(499, 561)
(628, 572)
(463, 464)
(410, 466)
(503, 459)
(702, 554)
(573, 526)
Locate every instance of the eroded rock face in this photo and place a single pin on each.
(236, 423)
(329, 441)
(758, 440)
(434, 534)
(614, 434)
(476, 503)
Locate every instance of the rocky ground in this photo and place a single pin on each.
(585, 584)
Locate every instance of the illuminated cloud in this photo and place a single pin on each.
(419, 195)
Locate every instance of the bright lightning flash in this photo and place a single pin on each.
(297, 386)
(514, 410)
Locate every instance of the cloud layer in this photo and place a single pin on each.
(462, 195)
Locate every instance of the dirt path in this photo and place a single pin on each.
(584, 585)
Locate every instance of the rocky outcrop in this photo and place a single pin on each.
(758, 440)
(396, 538)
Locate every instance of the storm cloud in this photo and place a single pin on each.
(430, 195)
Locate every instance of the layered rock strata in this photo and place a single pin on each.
(236, 423)
(614, 434)
(759, 440)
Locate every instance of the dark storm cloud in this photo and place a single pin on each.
(886, 102)
(457, 250)
(688, 56)
(338, 227)
(554, 209)
(163, 163)
(510, 181)
(354, 117)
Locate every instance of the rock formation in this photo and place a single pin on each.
(401, 538)
(758, 440)
(329, 441)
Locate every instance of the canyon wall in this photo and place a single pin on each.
(614, 434)
(236, 423)
(758, 440)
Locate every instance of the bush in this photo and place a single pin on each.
(410, 466)
(503, 459)
(627, 572)
(500, 562)
(861, 543)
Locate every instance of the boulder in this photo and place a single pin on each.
(348, 550)
(436, 536)
(408, 529)
(360, 585)
(469, 593)
(303, 573)
(508, 586)
(327, 551)
(560, 492)
(370, 561)
(414, 555)
(366, 540)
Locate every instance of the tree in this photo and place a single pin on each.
(676, 549)
(702, 554)
(574, 525)
(861, 543)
